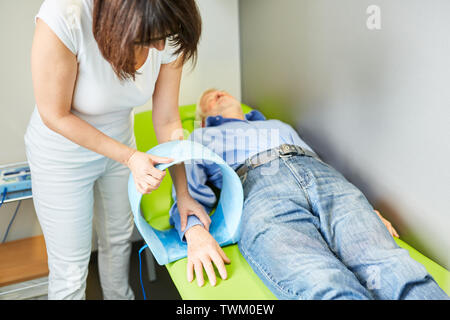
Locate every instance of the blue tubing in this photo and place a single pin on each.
(140, 270)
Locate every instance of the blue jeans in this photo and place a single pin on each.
(308, 233)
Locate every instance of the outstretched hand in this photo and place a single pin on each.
(203, 250)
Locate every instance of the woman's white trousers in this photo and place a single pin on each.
(74, 190)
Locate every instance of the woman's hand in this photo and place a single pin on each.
(388, 225)
(188, 206)
(203, 249)
(146, 177)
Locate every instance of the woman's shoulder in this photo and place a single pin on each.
(64, 8)
(69, 19)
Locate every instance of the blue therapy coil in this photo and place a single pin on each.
(166, 245)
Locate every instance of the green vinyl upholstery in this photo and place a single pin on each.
(242, 282)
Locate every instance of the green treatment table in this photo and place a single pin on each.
(242, 282)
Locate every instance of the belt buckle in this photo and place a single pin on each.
(286, 150)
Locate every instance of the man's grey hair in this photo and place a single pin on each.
(199, 115)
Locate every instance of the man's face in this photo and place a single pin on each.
(214, 102)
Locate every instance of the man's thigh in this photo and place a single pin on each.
(281, 241)
(357, 235)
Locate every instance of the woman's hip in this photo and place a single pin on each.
(47, 148)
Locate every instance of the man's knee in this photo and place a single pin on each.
(333, 285)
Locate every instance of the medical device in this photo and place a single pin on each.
(15, 182)
(166, 245)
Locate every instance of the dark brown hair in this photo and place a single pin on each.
(120, 25)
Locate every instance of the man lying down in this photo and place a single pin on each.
(306, 231)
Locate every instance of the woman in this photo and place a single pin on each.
(92, 62)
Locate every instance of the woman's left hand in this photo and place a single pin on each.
(188, 206)
(388, 225)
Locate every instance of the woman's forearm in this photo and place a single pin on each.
(170, 132)
(178, 174)
(166, 117)
(87, 136)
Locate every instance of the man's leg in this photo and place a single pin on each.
(358, 237)
(281, 242)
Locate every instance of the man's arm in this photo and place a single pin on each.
(196, 175)
(203, 249)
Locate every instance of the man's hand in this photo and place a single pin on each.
(203, 249)
(188, 206)
(388, 225)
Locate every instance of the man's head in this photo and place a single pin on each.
(215, 102)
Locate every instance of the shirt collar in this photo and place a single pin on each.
(253, 115)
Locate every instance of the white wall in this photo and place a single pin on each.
(218, 66)
(377, 100)
(219, 53)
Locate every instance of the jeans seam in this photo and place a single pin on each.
(267, 275)
(298, 179)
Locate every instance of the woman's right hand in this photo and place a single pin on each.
(147, 178)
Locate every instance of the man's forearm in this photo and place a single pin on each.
(175, 220)
(193, 232)
(178, 174)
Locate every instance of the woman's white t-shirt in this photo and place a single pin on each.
(99, 98)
